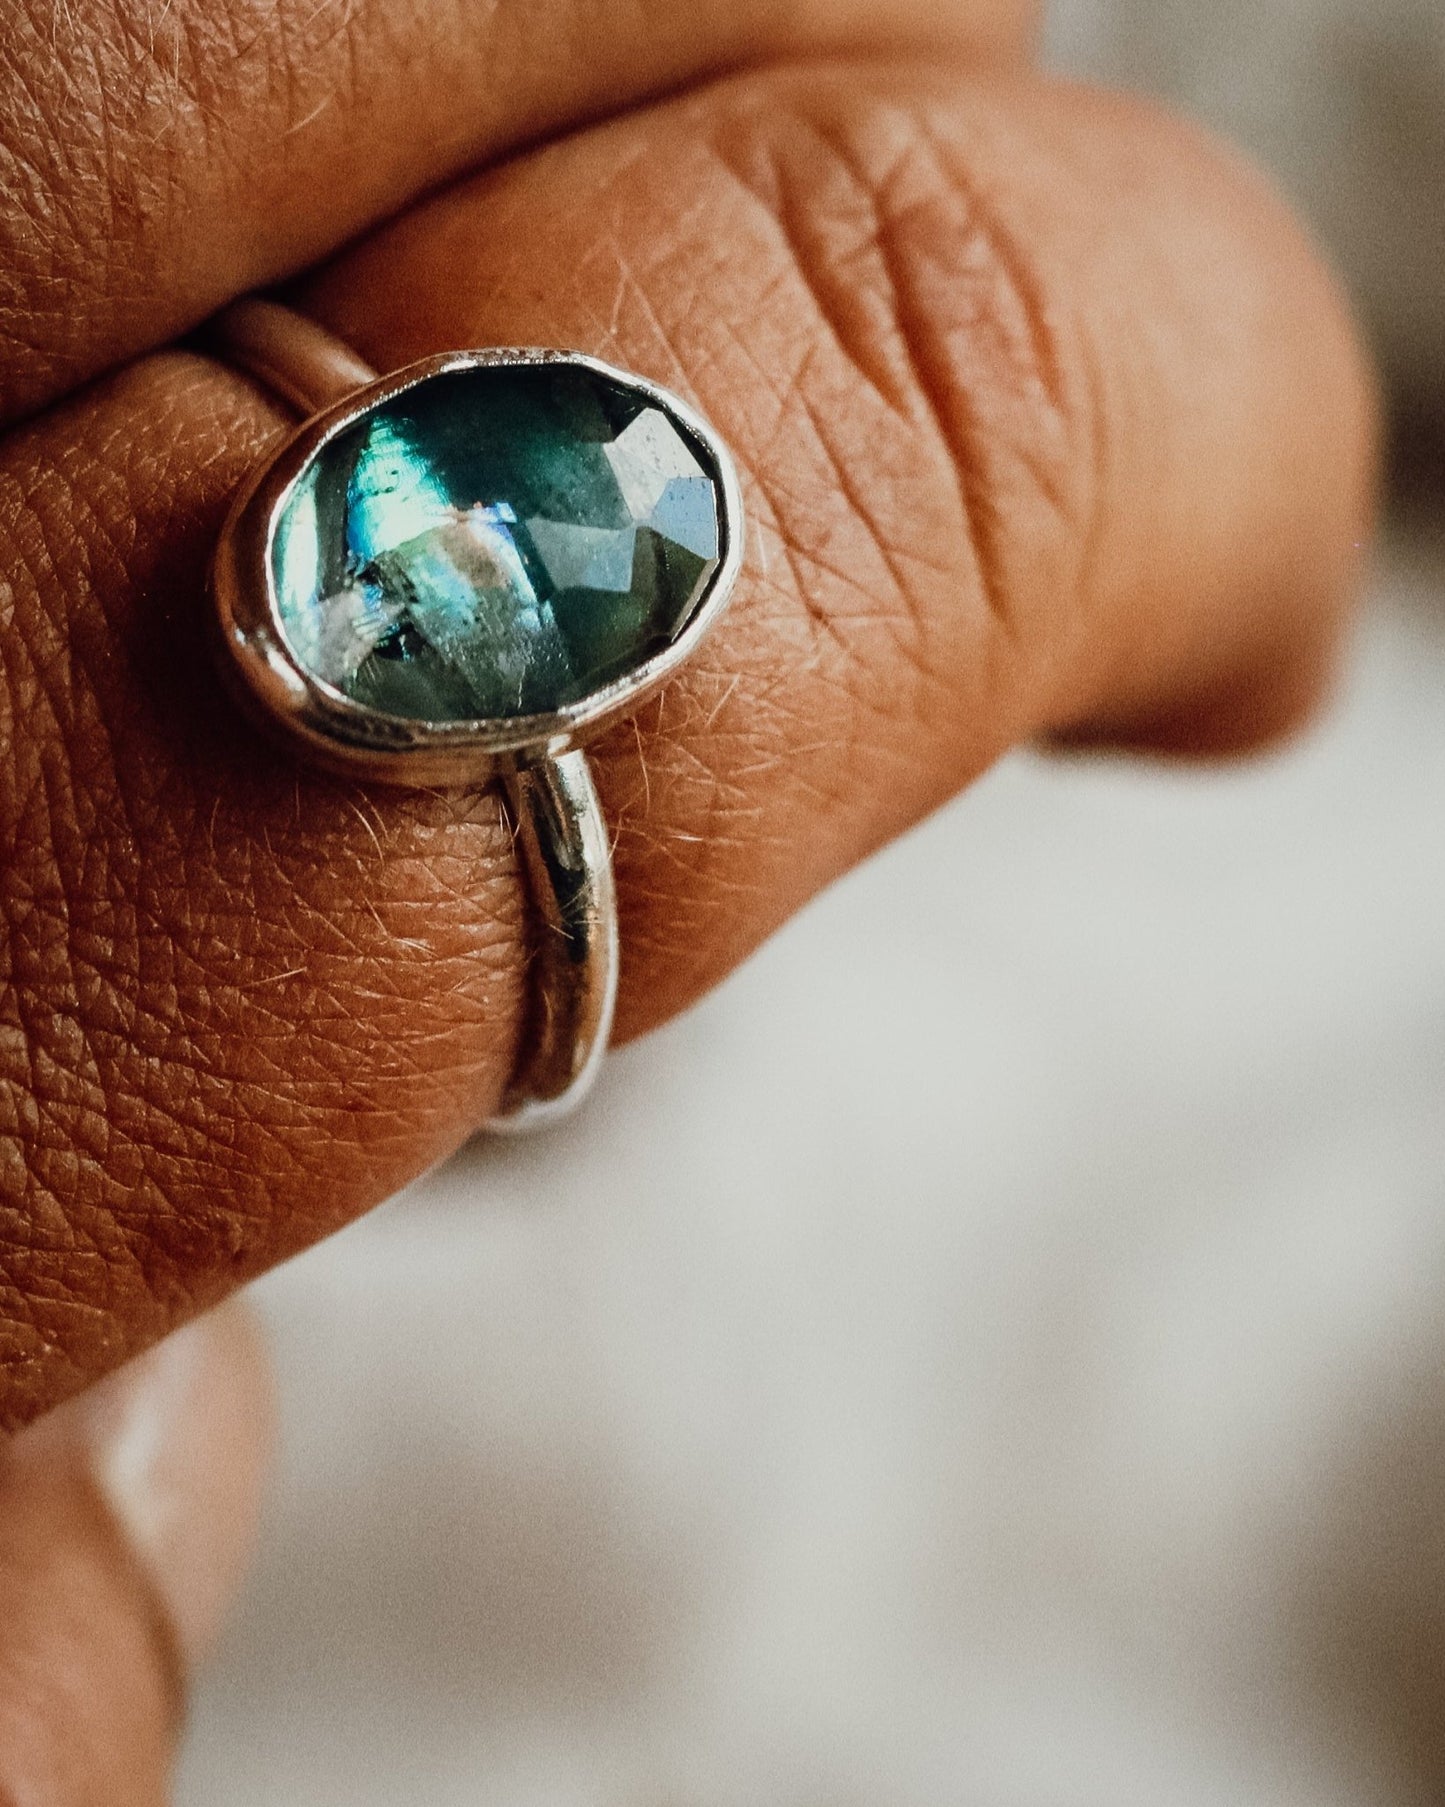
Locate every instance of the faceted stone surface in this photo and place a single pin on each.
(496, 542)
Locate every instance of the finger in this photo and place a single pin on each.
(1120, 405)
(1049, 420)
(124, 1522)
(161, 156)
(1054, 423)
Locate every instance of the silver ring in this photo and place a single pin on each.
(463, 572)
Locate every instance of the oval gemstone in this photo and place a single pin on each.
(496, 541)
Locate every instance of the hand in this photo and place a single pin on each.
(125, 1519)
(1051, 426)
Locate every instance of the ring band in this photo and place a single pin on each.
(464, 572)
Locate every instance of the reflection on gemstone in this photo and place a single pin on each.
(496, 542)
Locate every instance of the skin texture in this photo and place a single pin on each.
(1051, 426)
(161, 156)
(972, 343)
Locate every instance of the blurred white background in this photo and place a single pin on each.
(1344, 99)
(993, 1352)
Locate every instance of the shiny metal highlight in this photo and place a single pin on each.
(562, 838)
(561, 833)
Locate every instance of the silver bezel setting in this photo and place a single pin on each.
(348, 736)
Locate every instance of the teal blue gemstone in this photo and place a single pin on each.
(497, 541)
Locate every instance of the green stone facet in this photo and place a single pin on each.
(496, 541)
